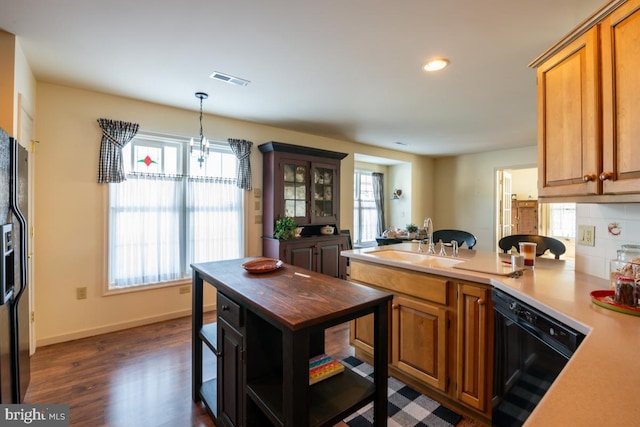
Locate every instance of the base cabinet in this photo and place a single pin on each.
(524, 216)
(321, 254)
(441, 334)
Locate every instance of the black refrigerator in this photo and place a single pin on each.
(14, 286)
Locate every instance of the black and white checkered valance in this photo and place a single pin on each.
(242, 149)
(115, 135)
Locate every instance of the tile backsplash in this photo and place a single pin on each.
(616, 224)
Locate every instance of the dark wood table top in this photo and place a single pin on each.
(296, 298)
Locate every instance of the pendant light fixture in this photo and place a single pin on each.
(203, 148)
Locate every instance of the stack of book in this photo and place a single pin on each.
(322, 367)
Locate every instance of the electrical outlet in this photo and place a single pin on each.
(81, 293)
(586, 235)
(185, 289)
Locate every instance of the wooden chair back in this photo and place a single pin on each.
(458, 235)
(543, 244)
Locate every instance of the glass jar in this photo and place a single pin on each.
(625, 291)
(629, 253)
(623, 268)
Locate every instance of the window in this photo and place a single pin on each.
(170, 212)
(562, 220)
(365, 216)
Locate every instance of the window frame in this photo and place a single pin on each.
(357, 211)
(185, 161)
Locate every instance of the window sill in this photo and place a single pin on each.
(148, 287)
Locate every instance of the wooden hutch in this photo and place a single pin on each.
(303, 183)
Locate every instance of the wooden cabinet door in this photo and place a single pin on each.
(525, 217)
(299, 254)
(329, 261)
(474, 349)
(620, 35)
(569, 143)
(361, 334)
(419, 341)
(230, 375)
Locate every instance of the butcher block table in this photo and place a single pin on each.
(269, 325)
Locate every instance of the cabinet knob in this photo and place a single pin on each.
(480, 301)
(589, 177)
(606, 176)
(395, 306)
(225, 308)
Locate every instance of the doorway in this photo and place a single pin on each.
(520, 212)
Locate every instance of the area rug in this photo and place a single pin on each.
(407, 407)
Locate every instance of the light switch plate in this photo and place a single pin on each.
(586, 235)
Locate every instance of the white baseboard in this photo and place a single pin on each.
(85, 333)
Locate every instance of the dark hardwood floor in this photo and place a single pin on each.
(137, 377)
(140, 377)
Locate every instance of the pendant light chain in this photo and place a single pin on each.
(204, 146)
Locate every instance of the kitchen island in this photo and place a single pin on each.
(597, 386)
(269, 325)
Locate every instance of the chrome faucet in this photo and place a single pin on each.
(428, 226)
(454, 243)
(442, 252)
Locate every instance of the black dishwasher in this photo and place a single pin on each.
(531, 349)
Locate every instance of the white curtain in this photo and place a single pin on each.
(145, 230)
(214, 219)
(161, 224)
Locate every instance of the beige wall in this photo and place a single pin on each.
(465, 191)
(524, 183)
(71, 207)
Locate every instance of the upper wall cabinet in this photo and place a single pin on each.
(620, 41)
(588, 109)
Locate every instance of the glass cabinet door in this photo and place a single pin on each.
(295, 189)
(324, 193)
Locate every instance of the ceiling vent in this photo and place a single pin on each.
(229, 79)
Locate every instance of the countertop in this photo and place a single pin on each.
(291, 296)
(598, 387)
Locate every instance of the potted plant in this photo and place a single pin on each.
(412, 229)
(285, 228)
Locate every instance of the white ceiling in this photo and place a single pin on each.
(347, 69)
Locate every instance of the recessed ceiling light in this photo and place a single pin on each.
(435, 64)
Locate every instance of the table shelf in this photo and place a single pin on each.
(209, 336)
(330, 400)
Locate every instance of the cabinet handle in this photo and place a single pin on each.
(225, 308)
(589, 177)
(606, 176)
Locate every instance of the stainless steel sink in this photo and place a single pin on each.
(415, 258)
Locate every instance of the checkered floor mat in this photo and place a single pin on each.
(407, 407)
